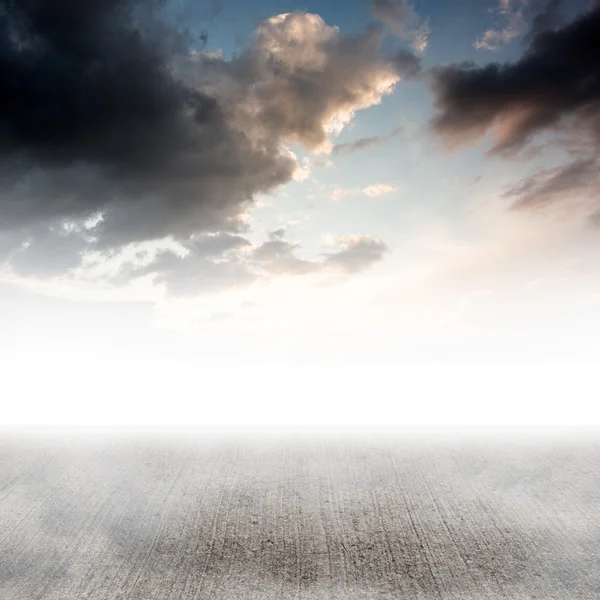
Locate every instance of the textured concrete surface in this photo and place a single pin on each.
(320, 518)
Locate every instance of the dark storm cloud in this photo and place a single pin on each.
(79, 79)
(553, 88)
(555, 82)
(91, 118)
(548, 19)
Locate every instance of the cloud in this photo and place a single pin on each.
(339, 193)
(207, 263)
(378, 189)
(365, 142)
(115, 132)
(548, 19)
(516, 13)
(408, 64)
(554, 84)
(357, 253)
(277, 234)
(354, 253)
(402, 20)
(312, 80)
(372, 191)
(94, 120)
(197, 274)
(574, 184)
(46, 251)
(277, 256)
(214, 263)
(513, 12)
(554, 89)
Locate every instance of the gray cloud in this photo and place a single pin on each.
(578, 180)
(196, 274)
(277, 234)
(109, 113)
(402, 20)
(218, 244)
(357, 254)
(408, 64)
(46, 251)
(365, 142)
(213, 263)
(206, 263)
(277, 257)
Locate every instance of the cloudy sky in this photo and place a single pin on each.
(226, 188)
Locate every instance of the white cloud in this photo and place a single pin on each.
(378, 189)
(303, 170)
(372, 191)
(513, 13)
(339, 193)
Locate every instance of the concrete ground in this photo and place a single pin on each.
(371, 517)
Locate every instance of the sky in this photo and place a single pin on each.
(331, 211)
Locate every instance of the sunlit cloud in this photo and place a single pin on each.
(373, 190)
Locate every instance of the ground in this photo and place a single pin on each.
(319, 516)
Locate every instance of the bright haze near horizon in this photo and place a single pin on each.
(367, 212)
